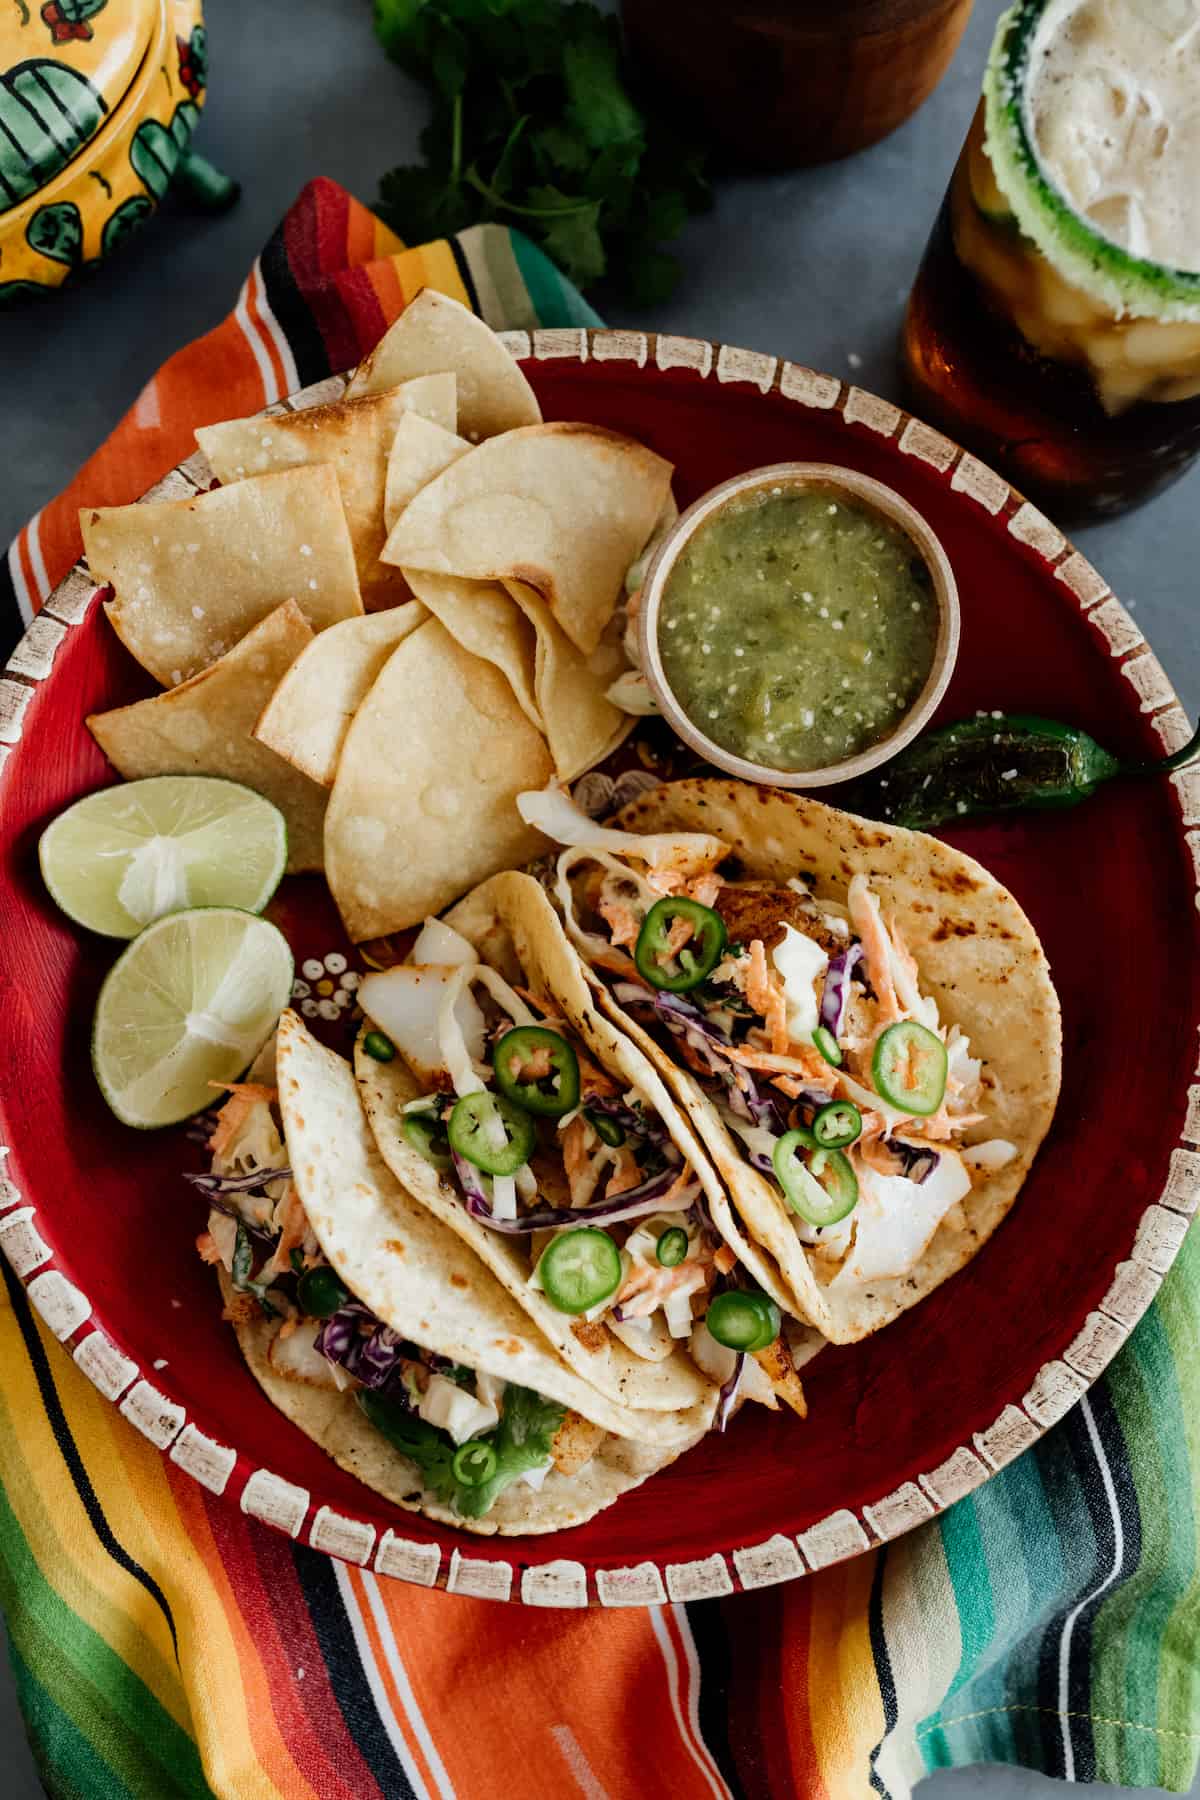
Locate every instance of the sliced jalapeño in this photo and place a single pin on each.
(580, 1268)
(676, 970)
(818, 1184)
(538, 1070)
(909, 1068)
(489, 1131)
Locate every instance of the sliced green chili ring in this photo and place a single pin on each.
(743, 1320)
(836, 1125)
(549, 1096)
(320, 1292)
(476, 1123)
(580, 1268)
(672, 1246)
(427, 1136)
(606, 1129)
(474, 1462)
(379, 1045)
(695, 960)
(296, 1258)
(827, 1044)
(818, 1184)
(909, 1068)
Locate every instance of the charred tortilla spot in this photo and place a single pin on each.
(459, 1281)
(398, 1248)
(953, 928)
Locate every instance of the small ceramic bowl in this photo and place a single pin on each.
(834, 480)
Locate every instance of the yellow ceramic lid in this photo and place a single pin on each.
(65, 65)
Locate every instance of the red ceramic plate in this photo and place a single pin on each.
(98, 1224)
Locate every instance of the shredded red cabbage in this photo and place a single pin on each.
(210, 1183)
(635, 1203)
(366, 1348)
(919, 1160)
(837, 988)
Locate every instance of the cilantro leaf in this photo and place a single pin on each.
(570, 234)
(420, 204)
(522, 1441)
(533, 124)
(416, 1439)
(597, 104)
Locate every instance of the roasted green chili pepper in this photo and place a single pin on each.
(998, 763)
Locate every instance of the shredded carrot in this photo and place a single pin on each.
(864, 915)
(680, 933)
(207, 1246)
(684, 1179)
(291, 1236)
(942, 1124)
(626, 1175)
(766, 996)
(724, 1259)
(244, 1096)
(620, 920)
(592, 1079)
(575, 1147)
(617, 963)
(648, 1287)
(704, 888)
(810, 1066)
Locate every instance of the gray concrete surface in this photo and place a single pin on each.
(812, 266)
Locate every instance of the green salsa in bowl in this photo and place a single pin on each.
(799, 624)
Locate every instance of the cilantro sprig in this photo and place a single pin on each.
(522, 1441)
(533, 125)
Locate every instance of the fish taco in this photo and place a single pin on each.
(547, 1140)
(859, 1021)
(378, 1333)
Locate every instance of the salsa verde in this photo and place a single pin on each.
(797, 627)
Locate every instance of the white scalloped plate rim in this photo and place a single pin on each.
(552, 1580)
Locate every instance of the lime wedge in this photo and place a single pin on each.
(132, 853)
(188, 1005)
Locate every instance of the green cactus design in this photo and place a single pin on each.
(124, 222)
(156, 150)
(47, 112)
(74, 12)
(57, 232)
(12, 291)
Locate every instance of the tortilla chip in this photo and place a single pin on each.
(485, 620)
(563, 507)
(307, 717)
(580, 724)
(355, 438)
(191, 577)
(424, 802)
(420, 450)
(434, 332)
(205, 727)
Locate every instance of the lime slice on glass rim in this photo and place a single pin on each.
(185, 1009)
(121, 858)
